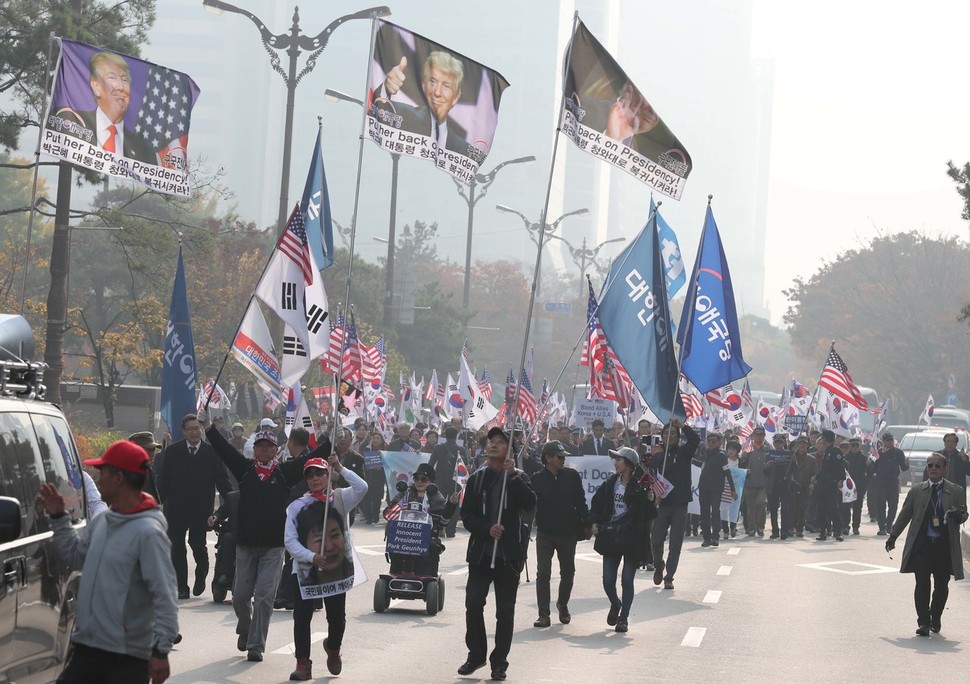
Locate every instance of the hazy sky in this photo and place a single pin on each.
(870, 102)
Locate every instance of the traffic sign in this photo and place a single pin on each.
(558, 307)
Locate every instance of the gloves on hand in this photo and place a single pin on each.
(890, 544)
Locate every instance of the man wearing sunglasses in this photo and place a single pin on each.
(934, 511)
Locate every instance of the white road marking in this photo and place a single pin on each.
(725, 570)
(590, 557)
(712, 596)
(735, 551)
(459, 571)
(694, 637)
(865, 568)
(290, 648)
(368, 552)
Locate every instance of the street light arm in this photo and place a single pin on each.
(460, 187)
(510, 210)
(577, 212)
(596, 250)
(319, 42)
(279, 42)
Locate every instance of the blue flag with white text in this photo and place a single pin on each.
(635, 317)
(315, 207)
(710, 343)
(178, 363)
(673, 260)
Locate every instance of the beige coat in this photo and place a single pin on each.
(913, 513)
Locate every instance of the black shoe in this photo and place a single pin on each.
(198, 587)
(821, 537)
(839, 537)
(183, 593)
(658, 572)
(255, 656)
(881, 532)
(855, 531)
(923, 630)
(543, 621)
(773, 535)
(705, 543)
(800, 534)
(241, 642)
(622, 626)
(498, 675)
(468, 667)
(714, 543)
(178, 639)
(564, 616)
(334, 663)
(935, 625)
(613, 615)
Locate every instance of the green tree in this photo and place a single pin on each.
(892, 307)
(962, 178)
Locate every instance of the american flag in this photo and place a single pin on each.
(166, 110)
(607, 376)
(485, 384)
(294, 246)
(375, 360)
(393, 512)
(353, 361)
(798, 390)
(432, 391)
(331, 360)
(464, 349)
(693, 407)
(836, 379)
(528, 409)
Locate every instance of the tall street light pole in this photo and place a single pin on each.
(337, 96)
(584, 256)
(535, 228)
(293, 43)
(482, 181)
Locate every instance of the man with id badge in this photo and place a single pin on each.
(934, 511)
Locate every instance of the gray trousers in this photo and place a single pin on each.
(673, 518)
(257, 574)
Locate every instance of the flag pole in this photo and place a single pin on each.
(51, 38)
(353, 239)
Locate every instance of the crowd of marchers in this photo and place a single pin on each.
(275, 488)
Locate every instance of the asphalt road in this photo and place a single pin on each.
(749, 610)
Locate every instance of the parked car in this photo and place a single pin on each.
(37, 603)
(917, 447)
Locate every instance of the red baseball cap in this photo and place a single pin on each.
(123, 455)
(316, 463)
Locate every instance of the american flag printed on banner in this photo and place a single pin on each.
(163, 120)
(836, 379)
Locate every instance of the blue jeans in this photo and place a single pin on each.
(611, 565)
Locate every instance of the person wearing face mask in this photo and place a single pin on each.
(934, 511)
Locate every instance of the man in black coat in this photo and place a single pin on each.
(560, 508)
(597, 444)
(828, 487)
(674, 464)
(190, 474)
(500, 530)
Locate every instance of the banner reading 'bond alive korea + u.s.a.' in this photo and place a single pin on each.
(122, 116)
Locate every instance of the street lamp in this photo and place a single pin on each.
(583, 256)
(337, 96)
(293, 43)
(539, 229)
(483, 180)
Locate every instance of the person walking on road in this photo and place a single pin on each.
(934, 511)
(127, 617)
(497, 499)
(674, 464)
(560, 511)
(621, 510)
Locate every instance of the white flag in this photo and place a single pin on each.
(928, 411)
(477, 411)
(292, 287)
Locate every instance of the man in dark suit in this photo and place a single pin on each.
(111, 85)
(441, 77)
(443, 460)
(191, 472)
(934, 511)
(597, 444)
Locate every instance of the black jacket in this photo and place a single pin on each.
(262, 503)
(677, 471)
(479, 511)
(588, 447)
(560, 502)
(639, 507)
(187, 483)
(443, 459)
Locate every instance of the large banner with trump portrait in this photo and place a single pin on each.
(122, 116)
(427, 101)
(605, 114)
